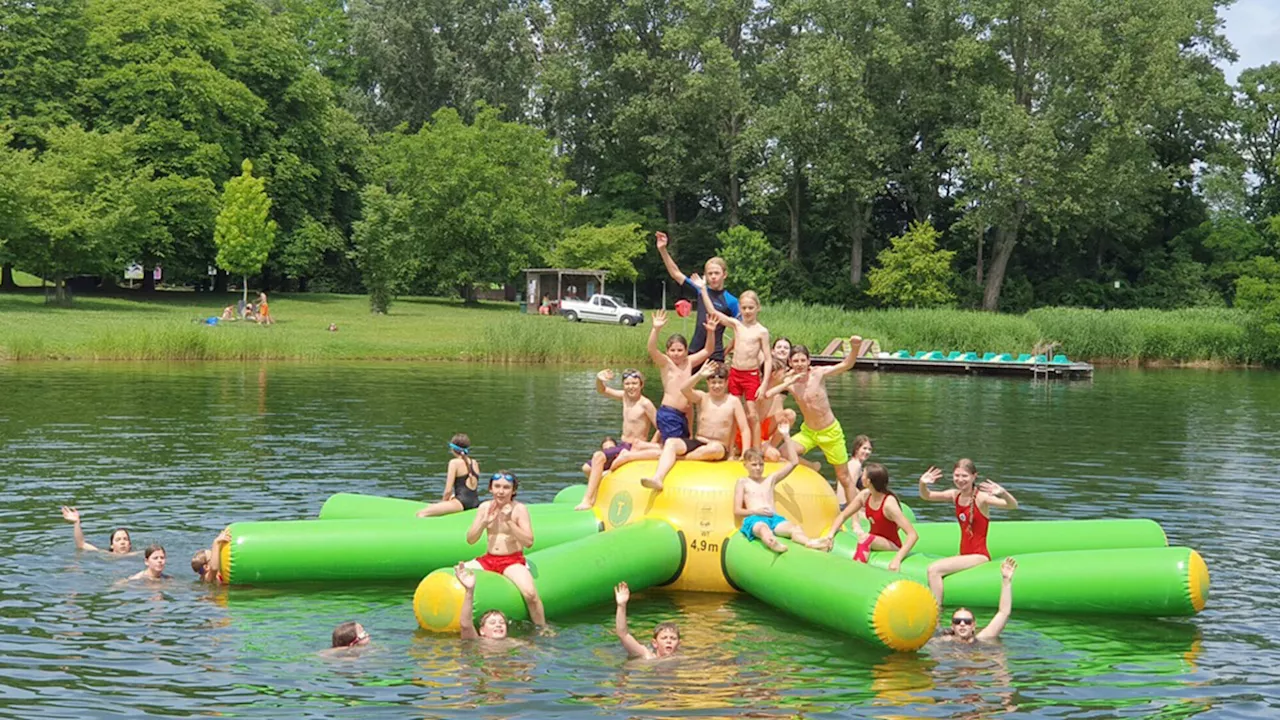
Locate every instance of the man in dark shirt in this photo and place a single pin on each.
(716, 270)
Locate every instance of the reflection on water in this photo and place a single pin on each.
(177, 451)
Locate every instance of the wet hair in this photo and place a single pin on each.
(200, 561)
(676, 338)
(490, 613)
(752, 455)
(666, 626)
(719, 372)
(509, 477)
(345, 634)
(966, 465)
(749, 295)
(860, 441)
(112, 540)
(460, 443)
(717, 260)
(877, 476)
(799, 350)
(152, 550)
(633, 373)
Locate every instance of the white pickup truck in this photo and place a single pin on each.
(601, 308)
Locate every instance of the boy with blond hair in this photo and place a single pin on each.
(750, 350)
(715, 271)
(754, 506)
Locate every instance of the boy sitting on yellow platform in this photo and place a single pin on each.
(753, 502)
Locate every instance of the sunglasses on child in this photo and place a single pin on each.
(961, 621)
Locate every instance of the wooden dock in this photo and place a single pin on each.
(1031, 367)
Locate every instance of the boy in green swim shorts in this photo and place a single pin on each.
(820, 428)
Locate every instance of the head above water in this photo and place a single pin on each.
(120, 541)
(862, 448)
(677, 346)
(749, 304)
(753, 461)
(666, 638)
(877, 476)
(782, 349)
(962, 624)
(632, 382)
(493, 625)
(964, 473)
(154, 556)
(460, 444)
(349, 634)
(200, 561)
(799, 358)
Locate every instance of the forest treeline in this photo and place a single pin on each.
(997, 154)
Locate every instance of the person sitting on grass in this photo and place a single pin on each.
(229, 313)
(753, 503)
(119, 544)
(962, 620)
(718, 414)
(493, 624)
(666, 635)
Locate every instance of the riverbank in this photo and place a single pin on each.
(168, 326)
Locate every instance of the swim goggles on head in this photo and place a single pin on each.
(631, 373)
(503, 476)
(459, 449)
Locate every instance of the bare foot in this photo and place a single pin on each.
(819, 544)
(585, 505)
(775, 545)
(651, 483)
(546, 631)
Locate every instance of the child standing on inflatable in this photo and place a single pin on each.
(493, 624)
(884, 517)
(973, 511)
(672, 418)
(666, 635)
(750, 340)
(718, 414)
(715, 271)
(753, 503)
(638, 418)
(820, 429)
(510, 531)
(461, 481)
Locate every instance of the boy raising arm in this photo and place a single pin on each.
(718, 414)
(753, 503)
(666, 636)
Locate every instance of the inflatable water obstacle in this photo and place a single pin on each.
(686, 538)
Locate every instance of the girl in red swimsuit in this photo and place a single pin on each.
(973, 512)
(884, 516)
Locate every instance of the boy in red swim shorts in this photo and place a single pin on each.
(750, 352)
(509, 530)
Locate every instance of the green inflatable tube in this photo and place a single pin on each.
(571, 494)
(1018, 537)
(569, 577)
(869, 603)
(1149, 582)
(375, 549)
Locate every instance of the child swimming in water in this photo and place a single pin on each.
(119, 544)
(666, 635)
(154, 557)
(207, 562)
(493, 624)
(461, 481)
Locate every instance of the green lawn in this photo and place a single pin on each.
(168, 326)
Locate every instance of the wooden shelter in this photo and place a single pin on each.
(556, 284)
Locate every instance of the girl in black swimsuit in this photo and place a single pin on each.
(462, 481)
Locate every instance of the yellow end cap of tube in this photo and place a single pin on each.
(437, 603)
(224, 561)
(905, 615)
(1197, 580)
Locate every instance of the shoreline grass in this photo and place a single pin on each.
(168, 326)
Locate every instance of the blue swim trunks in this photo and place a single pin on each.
(672, 423)
(773, 521)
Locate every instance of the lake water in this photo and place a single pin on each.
(177, 451)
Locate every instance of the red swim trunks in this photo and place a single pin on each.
(744, 383)
(499, 563)
(766, 432)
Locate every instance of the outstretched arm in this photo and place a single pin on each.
(787, 381)
(603, 377)
(72, 515)
(931, 476)
(672, 269)
(849, 511)
(686, 388)
(466, 615)
(998, 496)
(709, 347)
(996, 626)
(893, 511)
(847, 361)
(634, 648)
(214, 566)
(728, 320)
(659, 320)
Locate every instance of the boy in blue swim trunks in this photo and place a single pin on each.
(672, 418)
(753, 502)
